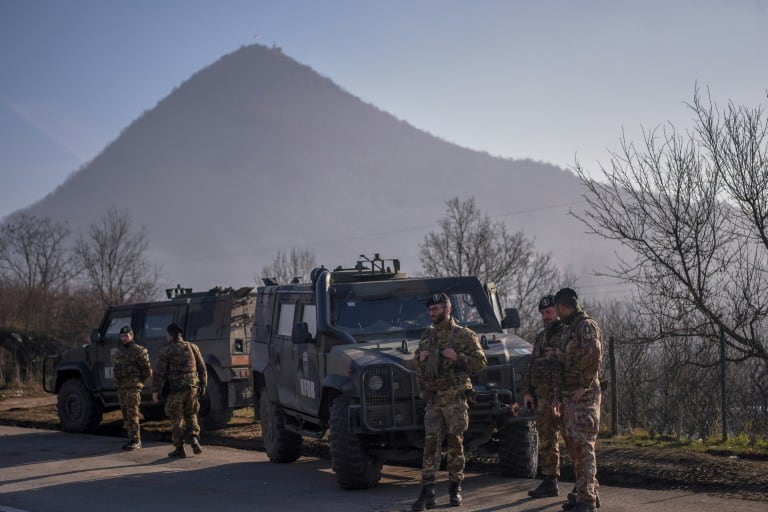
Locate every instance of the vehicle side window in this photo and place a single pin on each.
(155, 324)
(285, 322)
(309, 315)
(115, 323)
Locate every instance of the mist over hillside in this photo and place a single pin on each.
(258, 153)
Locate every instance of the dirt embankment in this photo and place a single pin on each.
(651, 468)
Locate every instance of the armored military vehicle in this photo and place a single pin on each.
(219, 321)
(335, 355)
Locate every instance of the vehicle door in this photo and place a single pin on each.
(282, 355)
(308, 359)
(152, 331)
(104, 351)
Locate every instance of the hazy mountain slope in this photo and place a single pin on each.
(257, 153)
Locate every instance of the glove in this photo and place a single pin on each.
(201, 392)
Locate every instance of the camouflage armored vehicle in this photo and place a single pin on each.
(218, 321)
(335, 355)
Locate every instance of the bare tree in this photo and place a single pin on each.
(34, 254)
(297, 264)
(693, 209)
(468, 243)
(114, 260)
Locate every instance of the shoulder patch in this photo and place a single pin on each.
(587, 331)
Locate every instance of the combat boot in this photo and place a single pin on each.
(426, 498)
(455, 492)
(178, 453)
(584, 507)
(133, 445)
(571, 503)
(195, 444)
(547, 488)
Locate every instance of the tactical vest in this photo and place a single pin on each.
(437, 372)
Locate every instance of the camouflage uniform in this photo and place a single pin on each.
(581, 357)
(132, 369)
(543, 381)
(181, 364)
(444, 385)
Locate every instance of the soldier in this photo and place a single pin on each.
(447, 355)
(581, 357)
(181, 367)
(132, 369)
(543, 382)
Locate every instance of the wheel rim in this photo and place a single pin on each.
(73, 407)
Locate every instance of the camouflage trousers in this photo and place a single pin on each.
(181, 408)
(446, 418)
(129, 400)
(547, 426)
(582, 422)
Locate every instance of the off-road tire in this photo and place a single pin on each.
(354, 468)
(280, 444)
(215, 413)
(519, 450)
(79, 410)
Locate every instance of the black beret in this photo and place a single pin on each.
(438, 298)
(547, 301)
(126, 329)
(567, 297)
(174, 329)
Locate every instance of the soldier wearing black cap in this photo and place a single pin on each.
(447, 355)
(132, 369)
(580, 390)
(543, 382)
(182, 367)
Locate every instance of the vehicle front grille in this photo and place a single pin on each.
(392, 406)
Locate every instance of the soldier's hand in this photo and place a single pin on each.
(451, 354)
(556, 409)
(155, 398)
(514, 409)
(201, 392)
(528, 401)
(424, 355)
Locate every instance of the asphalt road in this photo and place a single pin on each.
(47, 471)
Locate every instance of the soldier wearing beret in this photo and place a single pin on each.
(447, 355)
(181, 365)
(132, 369)
(580, 389)
(543, 382)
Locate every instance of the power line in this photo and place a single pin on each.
(367, 235)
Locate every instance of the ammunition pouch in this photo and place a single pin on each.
(546, 372)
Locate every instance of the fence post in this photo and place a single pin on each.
(614, 389)
(723, 390)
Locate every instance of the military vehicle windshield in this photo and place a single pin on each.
(400, 315)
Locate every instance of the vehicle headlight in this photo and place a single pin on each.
(375, 383)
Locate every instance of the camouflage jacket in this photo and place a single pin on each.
(132, 368)
(545, 371)
(438, 373)
(182, 365)
(582, 352)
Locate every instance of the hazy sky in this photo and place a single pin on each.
(546, 80)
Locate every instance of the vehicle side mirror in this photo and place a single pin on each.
(300, 333)
(95, 336)
(511, 319)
